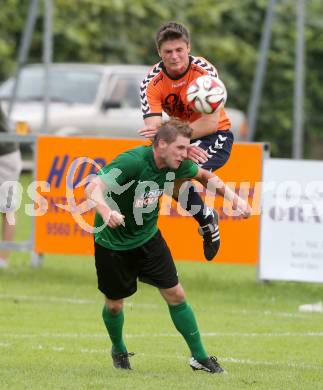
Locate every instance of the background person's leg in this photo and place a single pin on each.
(8, 234)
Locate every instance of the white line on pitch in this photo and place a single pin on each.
(141, 335)
(73, 301)
(106, 351)
(271, 313)
(31, 298)
(79, 301)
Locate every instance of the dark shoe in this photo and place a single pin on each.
(210, 365)
(211, 237)
(121, 359)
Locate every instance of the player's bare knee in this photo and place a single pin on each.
(113, 306)
(174, 295)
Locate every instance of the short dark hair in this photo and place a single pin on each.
(171, 129)
(170, 31)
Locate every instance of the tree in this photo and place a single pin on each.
(227, 32)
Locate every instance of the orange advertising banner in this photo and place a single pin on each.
(63, 163)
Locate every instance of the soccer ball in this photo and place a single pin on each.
(206, 94)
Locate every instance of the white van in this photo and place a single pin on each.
(87, 100)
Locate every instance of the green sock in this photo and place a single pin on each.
(114, 325)
(185, 322)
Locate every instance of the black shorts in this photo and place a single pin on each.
(218, 146)
(118, 271)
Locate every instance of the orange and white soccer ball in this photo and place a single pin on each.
(206, 94)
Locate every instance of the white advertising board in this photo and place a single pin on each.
(291, 240)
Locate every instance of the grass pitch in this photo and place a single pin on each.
(52, 335)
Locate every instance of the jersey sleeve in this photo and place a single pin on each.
(150, 93)
(187, 170)
(122, 170)
(204, 67)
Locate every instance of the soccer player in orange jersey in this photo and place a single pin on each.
(164, 90)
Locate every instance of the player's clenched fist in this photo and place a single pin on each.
(113, 219)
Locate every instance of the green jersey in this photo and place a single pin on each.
(135, 185)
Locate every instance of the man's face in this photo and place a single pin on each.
(174, 153)
(175, 55)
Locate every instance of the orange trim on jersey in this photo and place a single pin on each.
(161, 93)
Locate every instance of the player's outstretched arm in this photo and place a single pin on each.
(95, 193)
(214, 184)
(205, 125)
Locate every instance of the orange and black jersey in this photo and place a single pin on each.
(160, 92)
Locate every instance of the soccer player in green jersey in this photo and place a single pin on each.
(128, 244)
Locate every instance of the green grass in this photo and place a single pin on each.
(52, 335)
